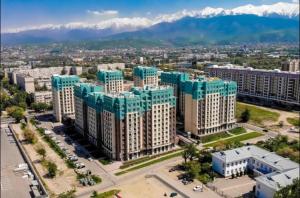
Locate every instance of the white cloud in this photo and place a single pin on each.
(106, 13)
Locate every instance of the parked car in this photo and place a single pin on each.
(198, 188)
(172, 169)
(173, 194)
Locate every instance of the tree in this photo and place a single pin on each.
(41, 151)
(245, 115)
(15, 112)
(68, 194)
(193, 169)
(280, 124)
(185, 155)
(29, 136)
(52, 169)
(191, 150)
(290, 191)
(40, 106)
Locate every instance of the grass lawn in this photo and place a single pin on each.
(214, 137)
(150, 163)
(237, 138)
(294, 121)
(107, 194)
(257, 115)
(238, 131)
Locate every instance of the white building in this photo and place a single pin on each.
(267, 165)
(43, 97)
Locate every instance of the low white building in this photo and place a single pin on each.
(43, 97)
(262, 162)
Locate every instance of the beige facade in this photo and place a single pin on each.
(291, 65)
(63, 103)
(25, 82)
(43, 97)
(79, 115)
(113, 86)
(148, 80)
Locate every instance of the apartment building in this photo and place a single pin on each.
(138, 123)
(273, 171)
(176, 80)
(111, 66)
(25, 82)
(111, 80)
(291, 65)
(209, 105)
(81, 91)
(145, 76)
(63, 96)
(43, 97)
(270, 87)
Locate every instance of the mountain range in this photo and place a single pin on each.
(267, 23)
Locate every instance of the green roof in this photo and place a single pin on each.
(109, 75)
(174, 77)
(59, 82)
(81, 90)
(143, 72)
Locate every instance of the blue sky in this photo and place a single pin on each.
(21, 13)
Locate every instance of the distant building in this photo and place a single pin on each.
(43, 97)
(271, 87)
(63, 96)
(290, 65)
(273, 171)
(111, 66)
(176, 80)
(25, 82)
(111, 80)
(209, 106)
(145, 76)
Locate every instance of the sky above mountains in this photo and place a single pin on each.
(18, 15)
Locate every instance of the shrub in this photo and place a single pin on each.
(52, 169)
(29, 136)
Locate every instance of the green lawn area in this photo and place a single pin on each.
(107, 194)
(294, 121)
(257, 115)
(214, 137)
(169, 156)
(238, 131)
(239, 138)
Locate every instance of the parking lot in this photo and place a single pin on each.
(10, 159)
(234, 187)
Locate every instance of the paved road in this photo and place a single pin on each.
(12, 184)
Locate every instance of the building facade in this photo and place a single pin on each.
(291, 65)
(143, 76)
(176, 80)
(273, 171)
(25, 82)
(81, 91)
(270, 87)
(63, 96)
(43, 97)
(111, 80)
(209, 106)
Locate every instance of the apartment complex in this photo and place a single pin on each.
(25, 82)
(43, 97)
(209, 105)
(145, 76)
(111, 80)
(273, 87)
(291, 65)
(129, 124)
(176, 80)
(273, 171)
(63, 95)
(81, 91)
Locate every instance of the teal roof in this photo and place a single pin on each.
(142, 71)
(95, 100)
(109, 75)
(201, 87)
(59, 82)
(174, 77)
(81, 90)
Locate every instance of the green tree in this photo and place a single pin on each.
(41, 151)
(68, 194)
(191, 150)
(245, 117)
(193, 169)
(290, 191)
(29, 136)
(52, 169)
(38, 107)
(15, 112)
(185, 155)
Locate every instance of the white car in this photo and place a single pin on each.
(198, 188)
